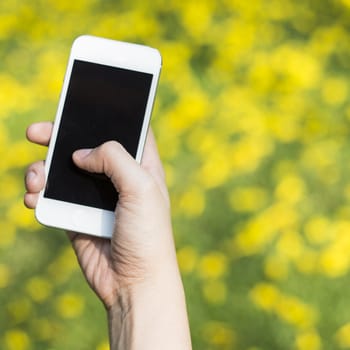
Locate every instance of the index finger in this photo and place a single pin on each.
(40, 133)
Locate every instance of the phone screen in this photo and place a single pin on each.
(102, 103)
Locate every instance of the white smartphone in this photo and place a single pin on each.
(107, 94)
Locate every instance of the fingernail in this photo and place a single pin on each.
(82, 153)
(31, 175)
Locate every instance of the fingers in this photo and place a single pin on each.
(34, 183)
(40, 133)
(114, 161)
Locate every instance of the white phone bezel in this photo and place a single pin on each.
(80, 218)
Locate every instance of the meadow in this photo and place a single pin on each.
(252, 121)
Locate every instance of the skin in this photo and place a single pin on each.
(135, 274)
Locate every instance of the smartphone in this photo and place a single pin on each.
(107, 94)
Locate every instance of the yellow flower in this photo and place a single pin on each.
(103, 346)
(216, 169)
(4, 276)
(334, 261)
(219, 334)
(187, 258)
(196, 17)
(10, 187)
(215, 292)
(276, 267)
(318, 230)
(295, 312)
(290, 245)
(20, 216)
(70, 305)
(43, 328)
(265, 296)
(212, 265)
(192, 107)
(39, 288)
(8, 233)
(16, 340)
(64, 265)
(343, 336)
(346, 2)
(285, 128)
(264, 227)
(20, 309)
(308, 340)
(248, 199)
(307, 262)
(192, 202)
(291, 189)
(287, 308)
(335, 91)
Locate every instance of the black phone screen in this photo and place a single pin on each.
(102, 103)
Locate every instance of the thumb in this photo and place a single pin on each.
(113, 160)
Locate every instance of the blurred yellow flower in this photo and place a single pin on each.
(334, 262)
(335, 91)
(43, 328)
(212, 265)
(196, 17)
(320, 157)
(285, 128)
(20, 309)
(70, 305)
(39, 288)
(20, 154)
(216, 168)
(308, 340)
(264, 227)
(215, 292)
(192, 202)
(8, 233)
(248, 199)
(318, 230)
(291, 189)
(181, 117)
(187, 258)
(63, 266)
(67, 6)
(8, 23)
(287, 308)
(346, 2)
(16, 339)
(4, 276)
(10, 187)
(13, 91)
(247, 154)
(265, 296)
(295, 312)
(20, 216)
(342, 336)
(276, 267)
(219, 334)
(290, 245)
(103, 346)
(307, 262)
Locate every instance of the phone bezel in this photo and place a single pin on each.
(81, 218)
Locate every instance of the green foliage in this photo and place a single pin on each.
(252, 121)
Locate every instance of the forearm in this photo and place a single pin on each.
(151, 315)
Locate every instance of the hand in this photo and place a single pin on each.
(138, 265)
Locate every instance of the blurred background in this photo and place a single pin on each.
(252, 120)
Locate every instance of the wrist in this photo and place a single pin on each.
(151, 314)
